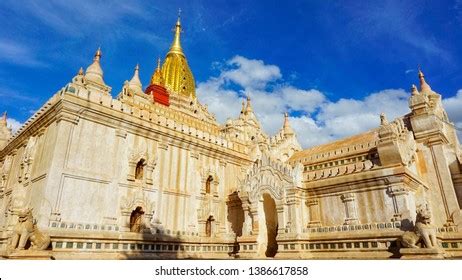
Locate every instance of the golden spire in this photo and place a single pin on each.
(176, 45)
(177, 75)
(156, 78)
(423, 84)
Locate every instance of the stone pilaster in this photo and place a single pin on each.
(444, 181)
(349, 201)
(280, 213)
(149, 170)
(255, 219)
(314, 212)
(399, 195)
(293, 204)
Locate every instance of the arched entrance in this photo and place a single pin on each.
(208, 226)
(136, 219)
(271, 219)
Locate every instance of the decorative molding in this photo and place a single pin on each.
(67, 117)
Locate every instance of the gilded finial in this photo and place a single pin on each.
(137, 67)
(80, 73)
(176, 74)
(157, 78)
(176, 45)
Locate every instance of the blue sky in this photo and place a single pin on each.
(334, 65)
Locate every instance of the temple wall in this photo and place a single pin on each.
(83, 162)
(372, 206)
(441, 190)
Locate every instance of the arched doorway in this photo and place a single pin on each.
(208, 184)
(139, 169)
(136, 219)
(208, 226)
(271, 219)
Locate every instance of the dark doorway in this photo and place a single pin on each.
(136, 219)
(208, 227)
(139, 170)
(208, 184)
(271, 217)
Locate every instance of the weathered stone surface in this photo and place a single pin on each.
(421, 254)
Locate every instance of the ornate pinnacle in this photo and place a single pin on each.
(414, 90)
(423, 84)
(98, 54)
(383, 119)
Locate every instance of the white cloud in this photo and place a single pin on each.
(315, 118)
(250, 73)
(14, 124)
(453, 107)
(350, 116)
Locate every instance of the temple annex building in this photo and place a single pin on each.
(152, 174)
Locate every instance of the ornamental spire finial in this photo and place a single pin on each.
(135, 82)
(423, 84)
(248, 108)
(94, 72)
(157, 78)
(414, 90)
(286, 127)
(383, 119)
(98, 54)
(176, 44)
